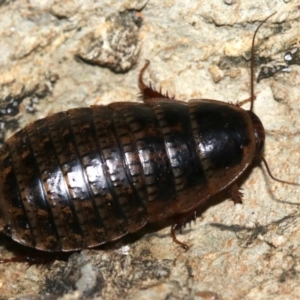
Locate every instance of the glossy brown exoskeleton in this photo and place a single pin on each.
(86, 176)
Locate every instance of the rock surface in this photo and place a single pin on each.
(55, 55)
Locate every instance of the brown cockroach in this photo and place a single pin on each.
(87, 176)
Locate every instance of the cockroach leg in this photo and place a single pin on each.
(235, 193)
(174, 228)
(179, 222)
(242, 102)
(147, 92)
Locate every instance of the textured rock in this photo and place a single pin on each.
(115, 44)
(197, 49)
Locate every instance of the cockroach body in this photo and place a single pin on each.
(80, 178)
(83, 177)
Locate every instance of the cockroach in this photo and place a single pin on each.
(87, 176)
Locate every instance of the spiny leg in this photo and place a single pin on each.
(235, 194)
(147, 92)
(242, 102)
(179, 222)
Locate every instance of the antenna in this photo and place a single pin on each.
(252, 96)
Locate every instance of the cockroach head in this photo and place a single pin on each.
(259, 133)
